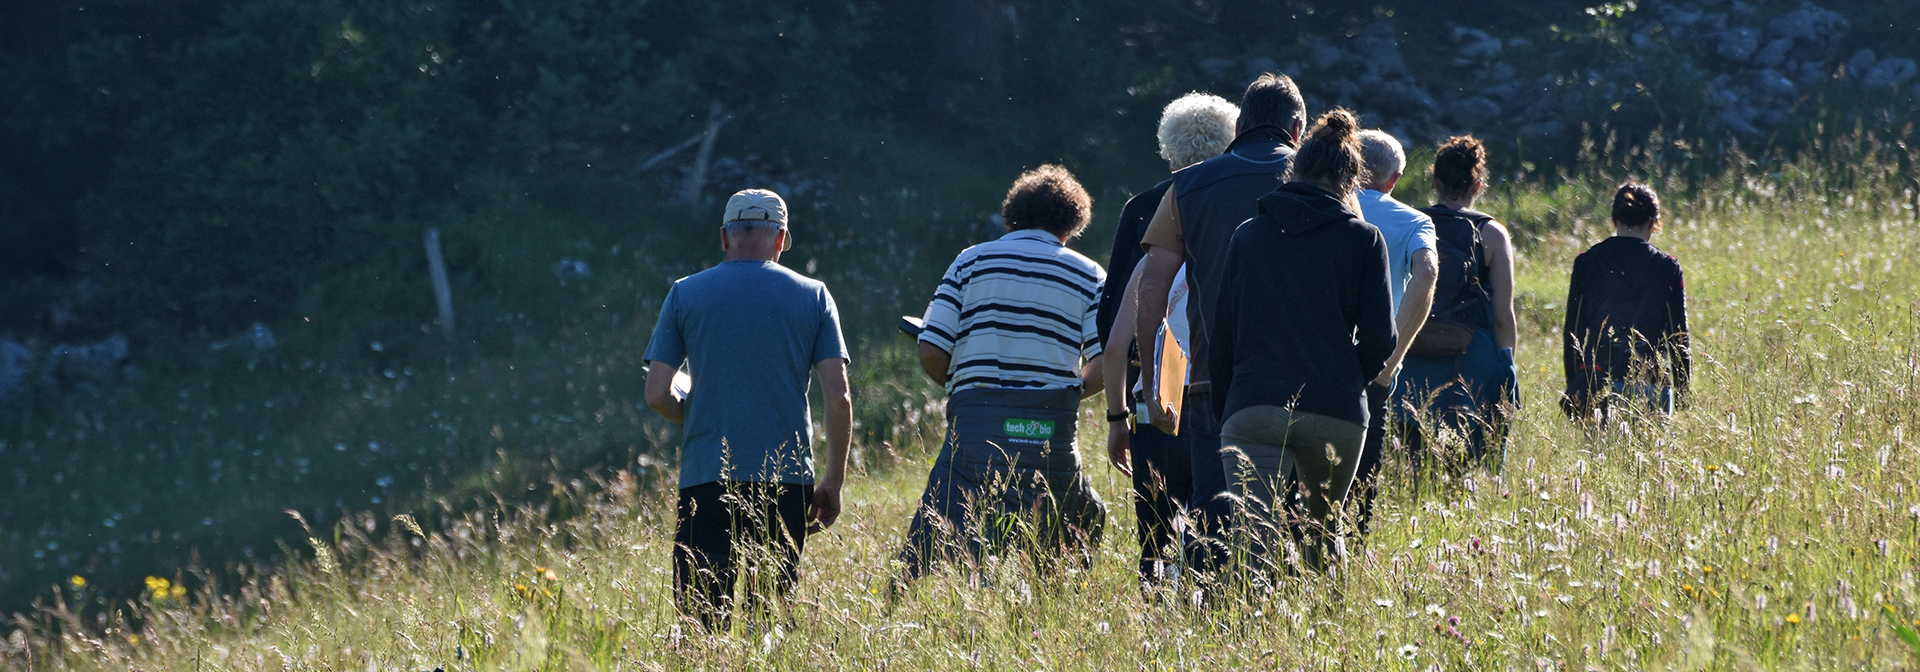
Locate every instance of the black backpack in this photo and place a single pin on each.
(1462, 299)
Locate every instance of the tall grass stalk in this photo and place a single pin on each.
(1774, 523)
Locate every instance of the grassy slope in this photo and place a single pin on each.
(1770, 525)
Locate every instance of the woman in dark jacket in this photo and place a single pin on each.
(1303, 323)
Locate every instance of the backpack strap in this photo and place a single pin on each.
(1485, 274)
(1481, 281)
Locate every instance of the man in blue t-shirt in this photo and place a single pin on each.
(749, 331)
(1412, 268)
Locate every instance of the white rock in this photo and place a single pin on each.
(14, 360)
(1475, 112)
(1482, 50)
(1739, 43)
(1862, 61)
(1323, 54)
(1888, 73)
(1774, 53)
(1810, 25)
(1379, 51)
(1772, 83)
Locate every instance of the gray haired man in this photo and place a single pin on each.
(750, 332)
(1412, 268)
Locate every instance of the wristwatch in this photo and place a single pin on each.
(1122, 416)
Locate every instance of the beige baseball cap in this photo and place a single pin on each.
(755, 204)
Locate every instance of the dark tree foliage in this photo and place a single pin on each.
(202, 165)
(250, 155)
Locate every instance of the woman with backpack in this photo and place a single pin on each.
(1459, 376)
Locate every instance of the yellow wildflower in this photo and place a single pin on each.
(177, 592)
(133, 639)
(1793, 618)
(78, 581)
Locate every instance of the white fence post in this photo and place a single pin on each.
(442, 293)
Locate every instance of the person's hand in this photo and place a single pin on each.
(1119, 445)
(825, 507)
(1163, 417)
(1388, 375)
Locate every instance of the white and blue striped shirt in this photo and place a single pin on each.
(1017, 312)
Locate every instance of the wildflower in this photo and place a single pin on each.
(1409, 650)
(133, 640)
(177, 592)
(1793, 619)
(78, 581)
(549, 575)
(160, 588)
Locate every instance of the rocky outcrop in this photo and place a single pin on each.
(1754, 72)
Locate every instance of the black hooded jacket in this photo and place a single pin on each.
(1304, 318)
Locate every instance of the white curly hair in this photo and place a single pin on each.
(1196, 127)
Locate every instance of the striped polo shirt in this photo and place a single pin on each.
(1017, 312)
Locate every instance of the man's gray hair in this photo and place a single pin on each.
(1196, 127)
(1382, 155)
(746, 225)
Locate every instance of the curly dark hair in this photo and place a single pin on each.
(1047, 198)
(1460, 163)
(1635, 206)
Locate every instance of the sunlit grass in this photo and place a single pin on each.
(1773, 524)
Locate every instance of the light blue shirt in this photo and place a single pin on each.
(750, 333)
(1406, 230)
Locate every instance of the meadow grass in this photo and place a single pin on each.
(1772, 524)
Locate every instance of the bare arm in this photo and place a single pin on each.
(660, 396)
(1156, 274)
(1093, 376)
(1506, 330)
(1414, 307)
(1119, 341)
(833, 473)
(935, 362)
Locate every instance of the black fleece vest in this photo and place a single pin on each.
(1215, 197)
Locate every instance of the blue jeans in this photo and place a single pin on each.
(1472, 394)
(1642, 396)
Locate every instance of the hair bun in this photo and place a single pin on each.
(1336, 126)
(1635, 205)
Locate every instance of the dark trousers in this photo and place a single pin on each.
(1162, 482)
(991, 489)
(1209, 506)
(1366, 482)
(726, 525)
